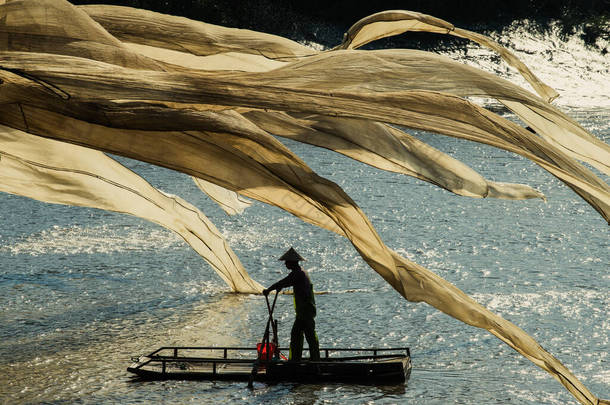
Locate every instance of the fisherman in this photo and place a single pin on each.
(304, 304)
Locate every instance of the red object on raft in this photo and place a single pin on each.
(267, 351)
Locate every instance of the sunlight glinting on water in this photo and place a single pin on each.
(84, 290)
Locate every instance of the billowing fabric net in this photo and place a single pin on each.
(230, 202)
(204, 100)
(61, 173)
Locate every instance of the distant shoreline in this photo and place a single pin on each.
(325, 22)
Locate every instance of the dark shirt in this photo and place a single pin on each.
(304, 301)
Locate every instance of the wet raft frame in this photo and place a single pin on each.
(379, 366)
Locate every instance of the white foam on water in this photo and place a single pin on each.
(603, 376)
(577, 71)
(250, 238)
(95, 239)
(568, 303)
(314, 45)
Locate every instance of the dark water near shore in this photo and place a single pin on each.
(83, 290)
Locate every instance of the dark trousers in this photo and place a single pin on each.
(304, 326)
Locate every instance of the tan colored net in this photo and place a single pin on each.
(230, 202)
(395, 22)
(80, 84)
(61, 173)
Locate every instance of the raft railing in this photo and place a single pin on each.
(157, 356)
(325, 350)
(174, 357)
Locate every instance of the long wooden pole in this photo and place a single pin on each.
(264, 343)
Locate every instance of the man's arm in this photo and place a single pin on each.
(287, 281)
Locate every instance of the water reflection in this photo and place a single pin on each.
(70, 319)
(307, 394)
(77, 362)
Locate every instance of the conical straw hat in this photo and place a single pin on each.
(291, 255)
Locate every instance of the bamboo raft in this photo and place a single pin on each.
(379, 366)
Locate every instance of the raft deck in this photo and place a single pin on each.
(378, 366)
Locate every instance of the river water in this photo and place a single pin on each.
(83, 290)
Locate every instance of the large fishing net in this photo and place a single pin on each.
(204, 100)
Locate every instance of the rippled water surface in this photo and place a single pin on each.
(83, 290)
